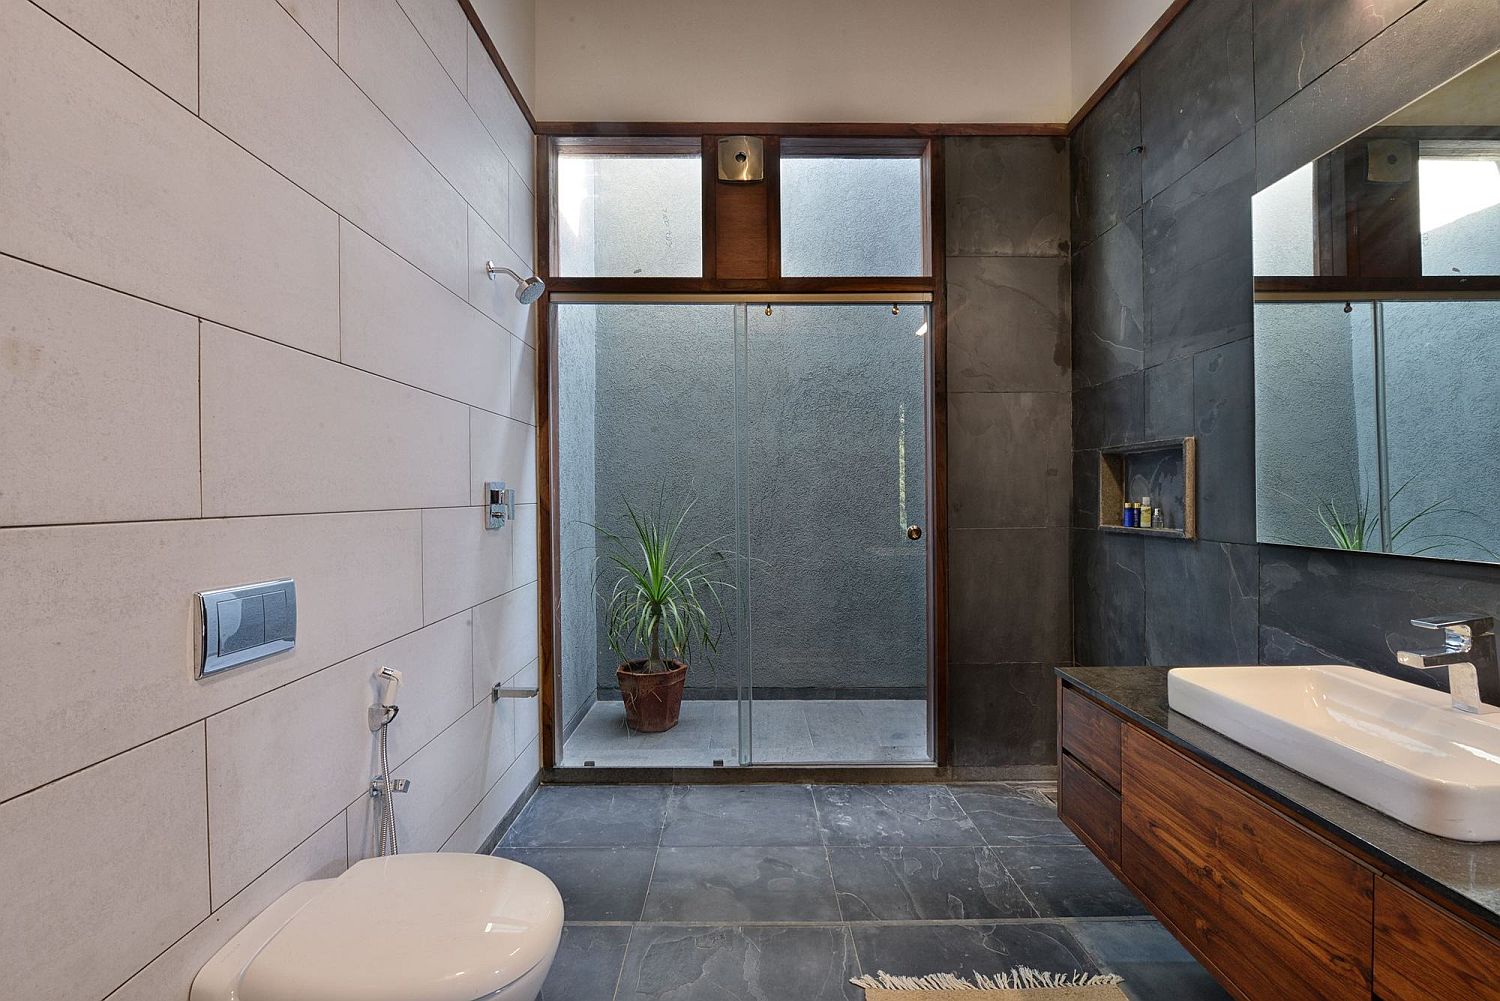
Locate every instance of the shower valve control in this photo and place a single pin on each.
(499, 504)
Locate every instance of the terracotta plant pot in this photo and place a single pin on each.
(652, 701)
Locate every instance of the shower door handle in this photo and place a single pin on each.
(914, 532)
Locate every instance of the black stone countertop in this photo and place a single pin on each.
(1462, 872)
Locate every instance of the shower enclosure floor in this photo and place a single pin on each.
(814, 731)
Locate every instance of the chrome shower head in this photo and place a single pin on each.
(528, 289)
(531, 290)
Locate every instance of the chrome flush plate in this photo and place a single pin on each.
(238, 625)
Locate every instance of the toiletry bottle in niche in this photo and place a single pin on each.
(1146, 516)
(1132, 516)
(1125, 514)
(1157, 520)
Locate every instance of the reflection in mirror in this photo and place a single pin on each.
(1377, 335)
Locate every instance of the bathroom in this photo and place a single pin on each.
(1064, 431)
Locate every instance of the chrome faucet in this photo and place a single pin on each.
(1468, 648)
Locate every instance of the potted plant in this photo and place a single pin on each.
(660, 598)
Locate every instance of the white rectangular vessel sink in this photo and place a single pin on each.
(1394, 746)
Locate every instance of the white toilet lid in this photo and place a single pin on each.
(433, 927)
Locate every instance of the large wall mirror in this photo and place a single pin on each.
(1377, 335)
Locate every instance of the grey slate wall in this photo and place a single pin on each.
(1009, 401)
(1234, 95)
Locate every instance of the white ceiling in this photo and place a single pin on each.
(814, 60)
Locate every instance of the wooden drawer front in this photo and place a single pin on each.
(1090, 807)
(1281, 913)
(1092, 735)
(1422, 952)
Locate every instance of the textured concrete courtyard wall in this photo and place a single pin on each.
(835, 458)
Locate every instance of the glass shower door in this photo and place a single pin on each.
(833, 454)
(646, 398)
(800, 439)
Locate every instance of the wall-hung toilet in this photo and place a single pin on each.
(427, 927)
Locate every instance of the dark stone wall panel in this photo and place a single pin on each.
(1009, 326)
(1108, 598)
(1196, 89)
(1007, 196)
(1003, 715)
(1427, 47)
(1201, 602)
(1107, 157)
(1296, 42)
(1109, 314)
(1320, 73)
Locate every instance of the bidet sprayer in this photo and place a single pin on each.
(390, 682)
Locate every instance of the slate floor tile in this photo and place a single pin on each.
(803, 963)
(895, 883)
(967, 949)
(588, 963)
(918, 816)
(741, 815)
(726, 885)
(1009, 814)
(1149, 958)
(1068, 881)
(597, 884)
(590, 815)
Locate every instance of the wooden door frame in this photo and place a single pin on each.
(548, 522)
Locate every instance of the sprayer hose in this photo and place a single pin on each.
(387, 833)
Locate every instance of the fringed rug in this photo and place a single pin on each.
(1021, 984)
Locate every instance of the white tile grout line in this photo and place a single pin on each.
(197, 115)
(293, 681)
(290, 347)
(269, 514)
(215, 910)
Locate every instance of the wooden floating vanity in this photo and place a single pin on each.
(1276, 906)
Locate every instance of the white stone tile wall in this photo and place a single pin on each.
(245, 334)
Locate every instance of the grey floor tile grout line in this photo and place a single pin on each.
(661, 833)
(833, 881)
(891, 923)
(1075, 937)
(624, 955)
(853, 943)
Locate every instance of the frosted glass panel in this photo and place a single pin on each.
(629, 216)
(851, 216)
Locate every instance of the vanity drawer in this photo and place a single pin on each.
(1090, 807)
(1422, 952)
(1092, 735)
(1279, 912)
